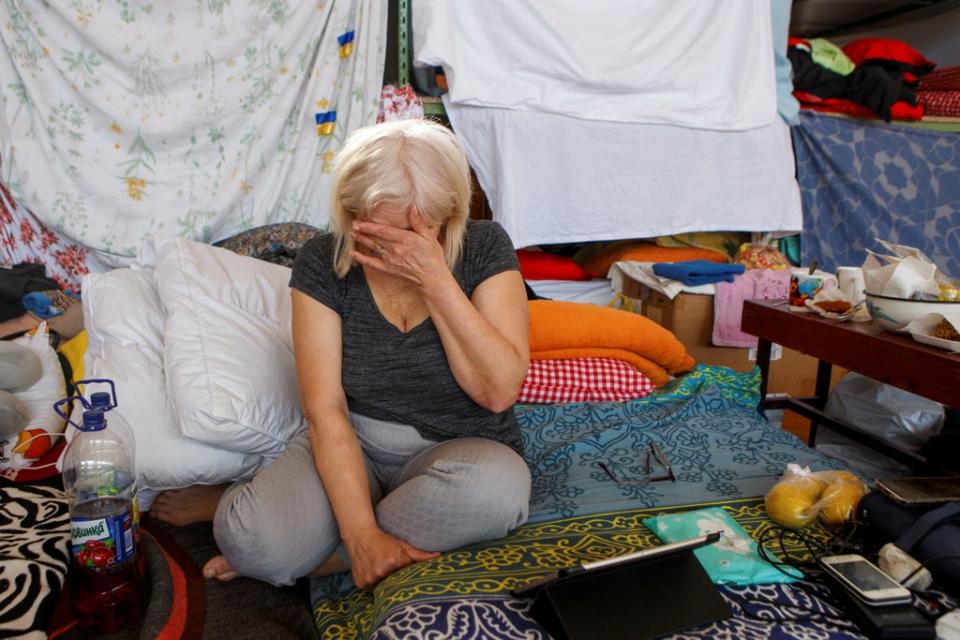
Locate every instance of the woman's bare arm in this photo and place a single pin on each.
(317, 346)
(484, 337)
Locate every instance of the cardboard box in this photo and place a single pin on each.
(690, 317)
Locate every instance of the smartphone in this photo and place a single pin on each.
(920, 490)
(866, 580)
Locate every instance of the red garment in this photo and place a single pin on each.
(865, 49)
(583, 380)
(540, 265)
(901, 110)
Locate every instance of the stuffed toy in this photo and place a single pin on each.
(31, 380)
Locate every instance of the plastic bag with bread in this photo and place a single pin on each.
(801, 496)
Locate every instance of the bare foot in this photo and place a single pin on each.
(218, 567)
(184, 506)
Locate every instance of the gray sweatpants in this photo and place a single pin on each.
(436, 496)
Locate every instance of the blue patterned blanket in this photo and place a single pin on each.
(861, 180)
(706, 422)
(722, 453)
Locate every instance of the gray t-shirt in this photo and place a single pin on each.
(405, 377)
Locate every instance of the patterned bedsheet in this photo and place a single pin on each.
(706, 422)
(861, 180)
(723, 454)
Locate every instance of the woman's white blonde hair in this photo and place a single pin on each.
(399, 165)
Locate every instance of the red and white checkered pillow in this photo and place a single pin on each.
(940, 103)
(583, 380)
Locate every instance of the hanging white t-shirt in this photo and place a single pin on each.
(697, 63)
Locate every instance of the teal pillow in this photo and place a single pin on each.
(732, 560)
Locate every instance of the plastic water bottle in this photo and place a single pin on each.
(121, 428)
(98, 476)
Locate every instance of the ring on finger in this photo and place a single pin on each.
(378, 251)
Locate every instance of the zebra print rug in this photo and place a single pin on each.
(34, 555)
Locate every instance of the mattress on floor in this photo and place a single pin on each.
(722, 452)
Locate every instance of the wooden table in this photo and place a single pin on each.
(863, 347)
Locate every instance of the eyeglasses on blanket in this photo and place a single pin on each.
(654, 454)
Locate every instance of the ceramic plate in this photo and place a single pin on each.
(940, 343)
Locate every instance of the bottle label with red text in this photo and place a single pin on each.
(103, 542)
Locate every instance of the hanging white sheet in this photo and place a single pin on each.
(554, 179)
(696, 63)
(192, 117)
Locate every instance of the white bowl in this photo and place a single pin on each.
(896, 313)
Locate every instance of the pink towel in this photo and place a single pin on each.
(755, 284)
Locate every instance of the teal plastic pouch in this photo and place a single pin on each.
(732, 560)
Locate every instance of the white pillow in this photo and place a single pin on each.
(38, 400)
(124, 323)
(227, 346)
(126, 307)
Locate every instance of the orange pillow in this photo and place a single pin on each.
(600, 264)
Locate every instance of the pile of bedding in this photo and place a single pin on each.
(582, 352)
(198, 342)
(559, 374)
(587, 274)
(867, 78)
(553, 276)
(570, 330)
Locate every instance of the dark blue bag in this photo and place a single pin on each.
(928, 534)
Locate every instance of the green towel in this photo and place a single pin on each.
(826, 54)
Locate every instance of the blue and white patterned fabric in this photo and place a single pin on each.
(706, 422)
(861, 180)
(781, 611)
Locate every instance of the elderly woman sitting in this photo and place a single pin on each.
(410, 340)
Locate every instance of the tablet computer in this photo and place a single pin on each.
(532, 587)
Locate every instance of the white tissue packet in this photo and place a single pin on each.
(920, 270)
(907, 278)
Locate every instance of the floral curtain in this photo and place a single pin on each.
(23, 238)
(201, 118)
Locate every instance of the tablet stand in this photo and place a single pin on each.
(642, 599)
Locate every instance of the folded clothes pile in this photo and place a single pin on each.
(697, 272)
(569, 330)
(869, 78)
